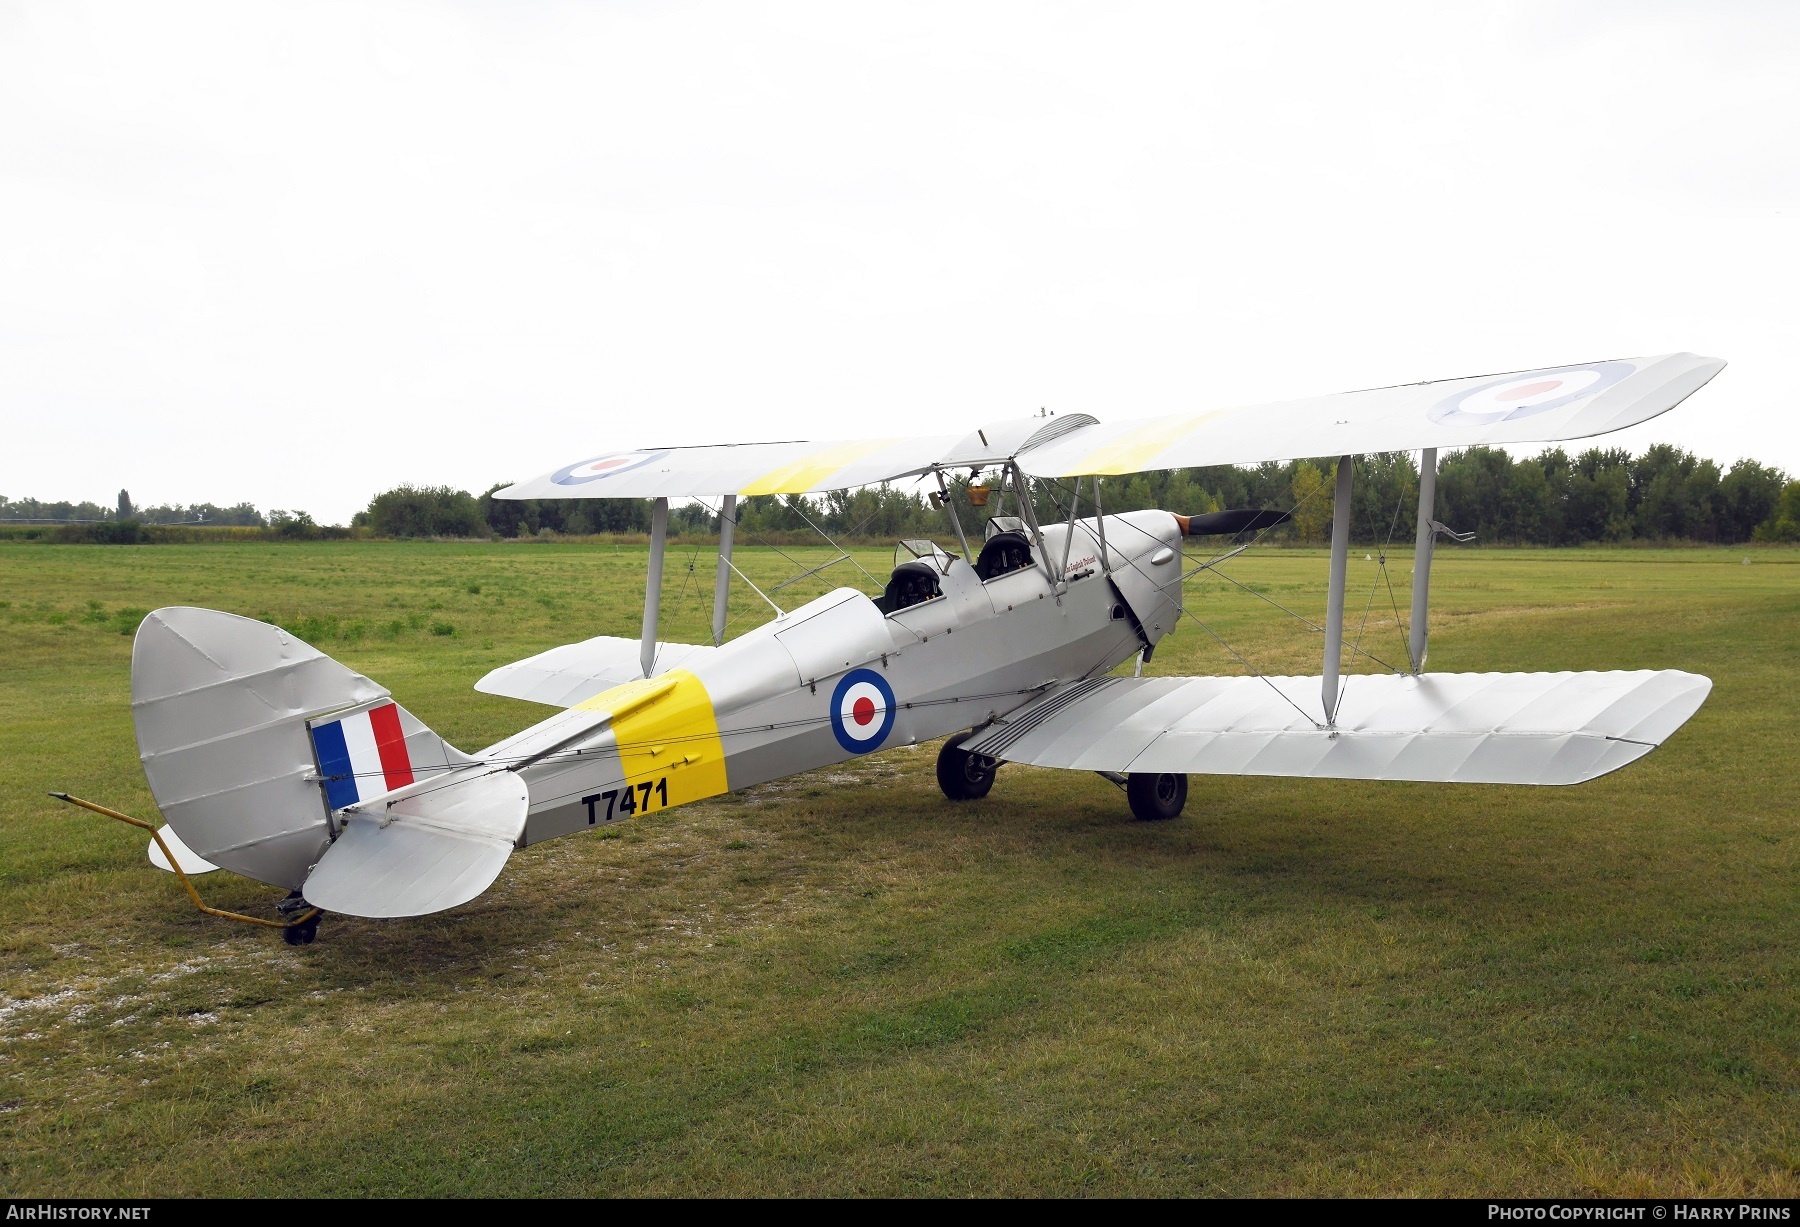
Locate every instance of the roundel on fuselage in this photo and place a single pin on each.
(862, 710)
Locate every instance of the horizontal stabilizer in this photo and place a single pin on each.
(576, 672)
(423, 848)
(1476, 728)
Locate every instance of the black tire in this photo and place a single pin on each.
(1155, 796)
(301, 934)
(964, 776)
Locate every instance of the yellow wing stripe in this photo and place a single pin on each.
(814, 468)
(666, 730)
(1133, 451)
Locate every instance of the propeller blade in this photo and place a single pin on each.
(1237, 520)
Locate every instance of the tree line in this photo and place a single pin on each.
(1603, 495)
(124, 523)
(34, 511)
(1599, 495)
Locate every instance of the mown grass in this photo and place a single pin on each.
(841, 983)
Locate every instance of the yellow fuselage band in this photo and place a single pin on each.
(667, 735)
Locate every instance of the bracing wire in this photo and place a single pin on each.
(1211, 566)
(1394, 601)
(834, 545)
(1220, 640)
(805, 571)
(680, 600)
(1261, 533)
(1254, 671)
(1381, 571)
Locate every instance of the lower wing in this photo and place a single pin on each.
(1471, 728)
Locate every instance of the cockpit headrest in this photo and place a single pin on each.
(1004, 552)
(912, 583)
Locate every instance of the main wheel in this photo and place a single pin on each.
(964, 776)
(1155, 796)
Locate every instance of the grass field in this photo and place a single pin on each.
(842, 984)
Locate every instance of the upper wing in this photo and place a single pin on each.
(1472, 728)
(736, 468)
(1565, 402)
(789, 468)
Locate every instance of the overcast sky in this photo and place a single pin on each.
(298, 253)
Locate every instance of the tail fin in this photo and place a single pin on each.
(251, 739)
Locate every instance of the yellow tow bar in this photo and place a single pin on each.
(174, 864)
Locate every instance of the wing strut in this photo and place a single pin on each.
(955, 520)
(1421, 595)
(1028, 513)
(1069, 536)
(722, 579)
(1334, 602)
(1100, 519)
(659, 537)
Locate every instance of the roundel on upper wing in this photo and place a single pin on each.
(1520, 396)
(862, 710)
(604, 466)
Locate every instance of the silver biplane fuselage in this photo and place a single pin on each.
(779, 699)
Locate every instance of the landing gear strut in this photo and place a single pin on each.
(964, 776)
(1155, 796)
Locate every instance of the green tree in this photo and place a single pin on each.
(1383, 497)
(1663, 498)
(1750, 493)
(1472, 492)
(1783, 523)
(424, 511)
(1597, 503)
(1530, 512)
(295, 526)
(1312, 506)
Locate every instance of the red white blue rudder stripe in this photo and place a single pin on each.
(362, 755)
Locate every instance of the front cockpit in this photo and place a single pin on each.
(1007, 549)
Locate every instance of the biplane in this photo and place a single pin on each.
(269, 759)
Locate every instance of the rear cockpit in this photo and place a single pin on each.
(919, 568)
